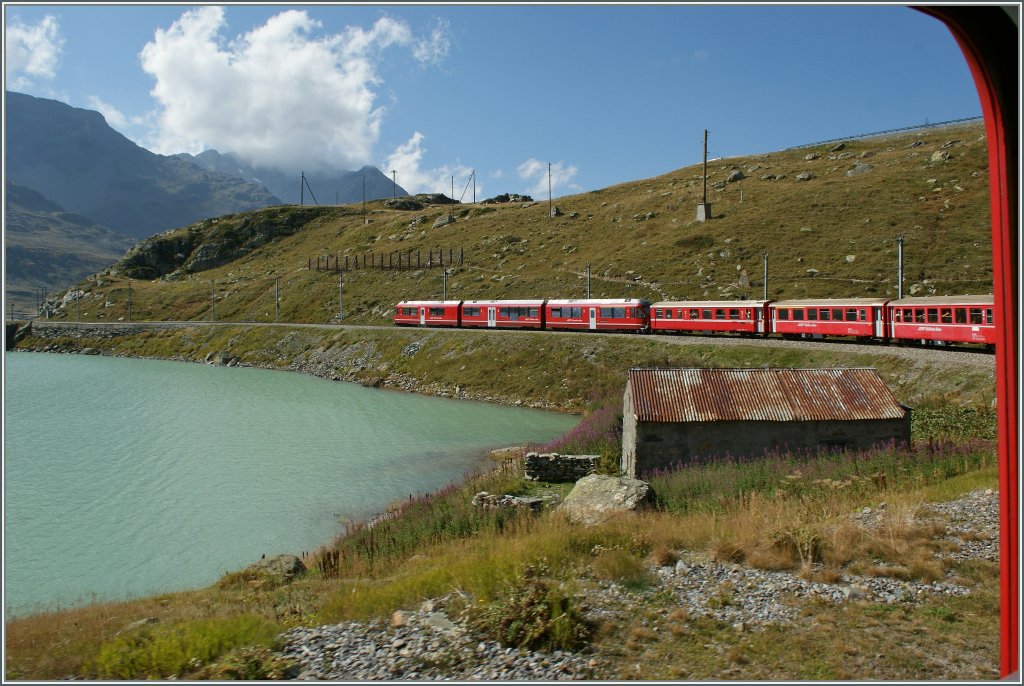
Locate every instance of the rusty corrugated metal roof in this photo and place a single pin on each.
(777, 395)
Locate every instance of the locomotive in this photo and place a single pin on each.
(933, 320)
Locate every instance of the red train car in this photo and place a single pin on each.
(596, 314)
(946, 319)
(428, 313)
(734, 316)
(861, 317)
(503, 314)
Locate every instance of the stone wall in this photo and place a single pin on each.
(555, 468)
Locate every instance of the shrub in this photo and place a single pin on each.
(157, 651)
(534, 612)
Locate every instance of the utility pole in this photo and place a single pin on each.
(444, 284)
(394, 185)
(474, 186)
(129, 299)
(341, 295)
(364, 199)
(549, 190)
(704, 209)
(277, 298)
(899, 267)
(302, 189)
(588, 281)
(213, 298)
(766, 275)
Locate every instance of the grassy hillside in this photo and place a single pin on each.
(833, 235)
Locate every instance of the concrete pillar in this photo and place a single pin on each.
(703, 211)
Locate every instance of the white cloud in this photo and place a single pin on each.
(278, 96)
(32, 52)
(535, 171)
(406, 160)
(115, 118)
(434, 48)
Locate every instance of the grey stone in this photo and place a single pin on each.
(860, 169)
(804, 176)
(596, 496)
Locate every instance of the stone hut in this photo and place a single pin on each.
(673, 416)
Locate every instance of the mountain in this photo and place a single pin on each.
(73, 158)
(48, 248)
(324, 188)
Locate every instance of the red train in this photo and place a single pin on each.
(934, 320)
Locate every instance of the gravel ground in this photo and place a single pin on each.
(427, 644)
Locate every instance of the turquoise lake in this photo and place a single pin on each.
(127, 477)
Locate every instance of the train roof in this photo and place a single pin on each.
(829, 302)
(423, 303)
(600, 301)
(710, 303)
(945, 300)
(504, 303)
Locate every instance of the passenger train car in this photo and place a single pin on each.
(929, 320)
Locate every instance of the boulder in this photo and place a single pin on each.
(280, 568)
(444, 220)
(860, 169)
(597, 496)
(804, 176)
(735, 175)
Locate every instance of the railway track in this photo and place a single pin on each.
(974, 357)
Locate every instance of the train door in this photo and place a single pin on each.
(879, 322)
(423, 316)
(492, 317)
(759, 319)
(593, 319)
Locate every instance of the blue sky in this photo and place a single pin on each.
(604, 93)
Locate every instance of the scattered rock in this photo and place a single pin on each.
(735, 175)
(804, 176)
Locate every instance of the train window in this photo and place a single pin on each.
(533, 311)
(613, 312)
(812, 314)
(719, 314)
(436, 311)
(961, 315)
(668, 314)
(556, 312)
(470, 311)
(798, 315)
(897, 315)
(734, 313)
(782, 313)
(933, 315)
(705, 314)
(825, 315)
(851, 315)
(657, 313)
(976, 316)
(694, 314)
(576, 312)
(988, 316)
(837, 315)
(946, 315)
(503, 312)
